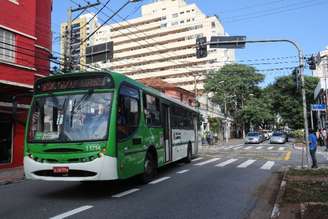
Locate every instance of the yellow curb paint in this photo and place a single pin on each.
(287, 156)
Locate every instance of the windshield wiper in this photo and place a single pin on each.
(85, 97)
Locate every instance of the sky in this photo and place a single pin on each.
(303, 21)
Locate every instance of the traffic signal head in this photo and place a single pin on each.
(312, 62)
(201, 47)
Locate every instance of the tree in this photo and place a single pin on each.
(287, 99)
(233, 85)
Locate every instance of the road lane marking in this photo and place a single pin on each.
(246, 163)
(159, 180)
(258, 148)
(183, 171)
(281, 148)
(287, 156)
(207, 161)
(225, 163)
(72, 212)
(267, 166)
(236, 148)
(229, 147)
(199, 158)
(270, 148)
(247, 148)
(119, 195)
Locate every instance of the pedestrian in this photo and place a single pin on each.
(321, 142)
(325, 137)
(313, 148)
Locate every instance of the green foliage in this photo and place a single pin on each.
(257, 112)
(287, 99)
(214, 124)
(234, 84)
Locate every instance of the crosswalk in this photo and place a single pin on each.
(253, 147)
(238, 163)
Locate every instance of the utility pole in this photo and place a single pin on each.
(68, 65)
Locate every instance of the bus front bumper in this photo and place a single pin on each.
(102, 168)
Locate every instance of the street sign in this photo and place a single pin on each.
(228, 42)
(318, 107)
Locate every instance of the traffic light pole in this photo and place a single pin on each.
(240, 43)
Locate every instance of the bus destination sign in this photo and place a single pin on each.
(74, 83)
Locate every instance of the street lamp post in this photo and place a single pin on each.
(232, 42)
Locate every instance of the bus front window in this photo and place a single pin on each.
(79, 117)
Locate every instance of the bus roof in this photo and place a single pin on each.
(118, 78)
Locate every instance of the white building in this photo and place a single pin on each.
(161, 43)
(81, 28)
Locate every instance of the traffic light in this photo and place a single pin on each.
(311, 62)
(201, 47)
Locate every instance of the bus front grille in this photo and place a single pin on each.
(71, 173)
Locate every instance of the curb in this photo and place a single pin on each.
(7, 182)
(276, 208)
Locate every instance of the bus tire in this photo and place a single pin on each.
(150, 167)
(189, 154)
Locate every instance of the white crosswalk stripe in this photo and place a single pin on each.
(236, 148)
(199, 158)
(246, 163)
(270, 148)
(207, 161)
(247, 148)
(258, 148)
(268, 165)
(227, 148)
(281, 148)
(225, 163)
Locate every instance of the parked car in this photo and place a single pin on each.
(279, 138)
(254, 138)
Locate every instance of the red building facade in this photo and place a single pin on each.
(25, 48)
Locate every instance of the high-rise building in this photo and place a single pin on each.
(80, 29)
(161, 43)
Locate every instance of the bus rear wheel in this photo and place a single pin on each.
(150, 168)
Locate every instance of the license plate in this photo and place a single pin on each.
(60, 169)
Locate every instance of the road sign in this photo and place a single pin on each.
(228, 42)
(318, 107)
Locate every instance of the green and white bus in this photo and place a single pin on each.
(104, 126)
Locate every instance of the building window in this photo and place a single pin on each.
(213, 24)
(163, 25)
(181, 22)
(14, 1)
(7, 46)
(174, 23)
(175, 15)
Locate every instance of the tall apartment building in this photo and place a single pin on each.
(80, 29)
(161, 43)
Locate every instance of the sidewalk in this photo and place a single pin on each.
(216, 147)
(11, 175)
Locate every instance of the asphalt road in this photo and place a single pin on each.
(212, 186)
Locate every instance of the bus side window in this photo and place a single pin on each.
(127, 112)
(152, 110)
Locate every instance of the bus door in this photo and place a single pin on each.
(167, 132)
(195, 122)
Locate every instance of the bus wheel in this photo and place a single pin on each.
(189, 154)
(150, 167)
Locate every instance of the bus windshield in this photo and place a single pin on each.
(68, 118)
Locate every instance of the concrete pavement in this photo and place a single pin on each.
(11, 175)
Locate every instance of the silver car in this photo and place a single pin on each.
(254, 138)
(278, 138)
